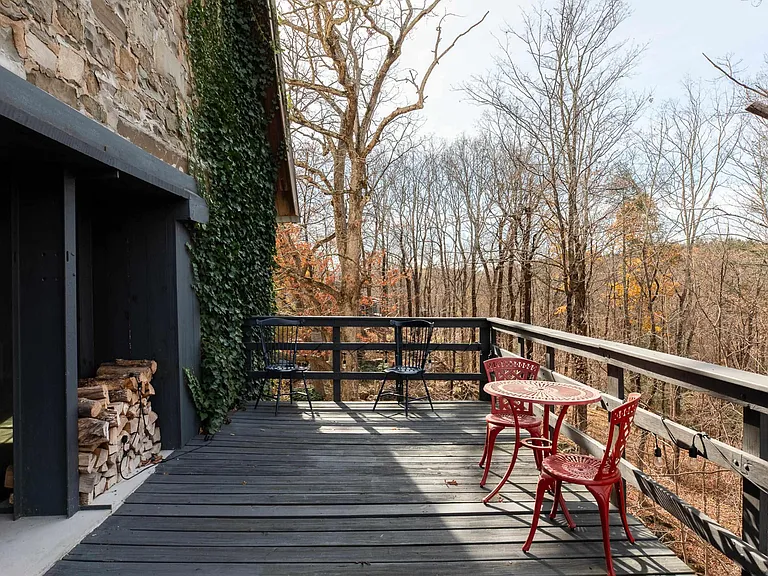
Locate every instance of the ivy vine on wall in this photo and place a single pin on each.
(232, 62)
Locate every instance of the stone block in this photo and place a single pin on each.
(40, 53)
(167, 62)
(71, 64)
(128, 63)
(110, 20)
(9, 55)
(43, 10)
(150, 144)
(93, 108)
(70, 21)
(99, 46)
(55, 87)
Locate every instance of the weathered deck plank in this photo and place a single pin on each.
(349, 491)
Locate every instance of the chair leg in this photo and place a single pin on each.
(541, 488)
(492, 433)
(258, 396)
(556, 499)
(508, 472)
(381, 389)
(277, 396)
(405, 400)
(537, 454)
(306, 391)
(485, 446)
(426, 389)
(603, 494)
(623, 510)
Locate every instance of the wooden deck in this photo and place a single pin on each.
(349, 491)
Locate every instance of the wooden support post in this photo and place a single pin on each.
(616, 388)
(754, 523)
(336, 363)
(549, 358)
(486, 336)
(521, 346)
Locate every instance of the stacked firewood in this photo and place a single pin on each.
(118, 431)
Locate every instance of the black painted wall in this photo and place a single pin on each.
(44, 317)
(131, 302)
(6, 343)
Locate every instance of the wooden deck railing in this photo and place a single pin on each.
(479, 335)
(746, 389)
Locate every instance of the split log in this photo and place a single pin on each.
(123, 395)
(102, 454)
(120, 407)
(100, 487)
(111, 470)
(86, 462)
(111, 417)
(133, 411)
(98, 392)
(88, 482)
(92, 431)
(116, 435)
(156, 447)
(86, 499)
(112, 481)
(111, 382)
(151, 364)
(156, 434)
(87, 408)
(151, 417)
(142, 374)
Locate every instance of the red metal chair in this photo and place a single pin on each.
(598, 476)
(504, 414)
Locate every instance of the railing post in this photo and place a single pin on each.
(521, 346)
(615, 381)
(754, 519)
(549, 358)
(336, 365)
(616, 388)
(486, 337)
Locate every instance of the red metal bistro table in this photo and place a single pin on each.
(548, 394)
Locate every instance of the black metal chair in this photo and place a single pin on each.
(279, 343)
(412, 339)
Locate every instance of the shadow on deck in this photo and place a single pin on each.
(350, 491)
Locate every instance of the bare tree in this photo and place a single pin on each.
(350, 95)
(575, 114)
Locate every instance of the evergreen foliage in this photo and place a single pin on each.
(233, 64)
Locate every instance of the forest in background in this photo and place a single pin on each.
(576, 205)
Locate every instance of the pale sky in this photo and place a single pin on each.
(676, 31)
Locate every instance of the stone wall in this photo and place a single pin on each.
(121, 62)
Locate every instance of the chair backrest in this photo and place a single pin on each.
(618, 434)
(412, 339)
(509, 368)
(279, 340)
